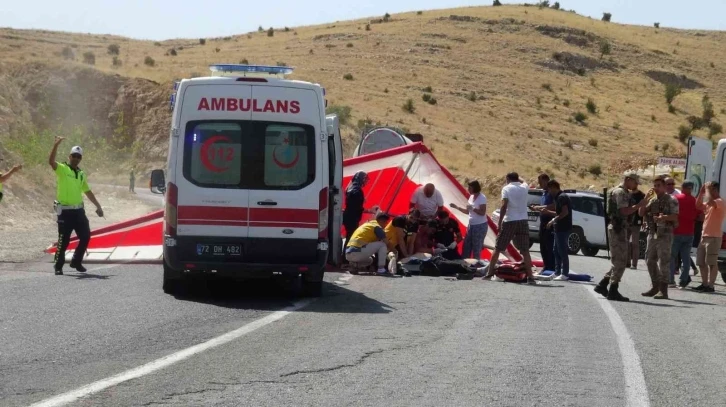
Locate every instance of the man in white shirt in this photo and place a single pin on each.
(671, 187)
(428, 201)
(513, 224)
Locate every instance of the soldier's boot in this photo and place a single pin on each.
(602, 287)
(663, 294)
(614, 295)
(653, 290)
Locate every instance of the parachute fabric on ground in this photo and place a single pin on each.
(395, 174)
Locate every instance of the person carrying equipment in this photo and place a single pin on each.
(72, 183)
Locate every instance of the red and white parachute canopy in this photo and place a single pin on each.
(394, 174)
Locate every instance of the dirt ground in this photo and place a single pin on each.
(27, 230)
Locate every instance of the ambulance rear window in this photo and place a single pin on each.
(249, 155)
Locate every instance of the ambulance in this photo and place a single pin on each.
(701, 168)
(253, 180)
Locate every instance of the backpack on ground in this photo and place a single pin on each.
(511, 272)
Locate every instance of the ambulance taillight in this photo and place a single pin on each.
(323, 214)
(170, 214)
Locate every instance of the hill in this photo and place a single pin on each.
(507, 84)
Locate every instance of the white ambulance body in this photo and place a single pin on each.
(701, 168)
(254, 178)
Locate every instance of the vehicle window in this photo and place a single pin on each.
(217, 149)
(286, 156)
(586, 205)
(249, 155)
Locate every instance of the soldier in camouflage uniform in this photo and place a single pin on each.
(619, 208)
(661, 216)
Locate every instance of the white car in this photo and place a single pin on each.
(588, 222)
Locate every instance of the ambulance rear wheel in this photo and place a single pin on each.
(312, 288)
(172, 282)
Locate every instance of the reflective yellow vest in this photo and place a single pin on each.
(364, 235)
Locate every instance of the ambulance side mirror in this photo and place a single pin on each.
(157, 182)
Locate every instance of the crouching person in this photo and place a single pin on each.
(368, 240)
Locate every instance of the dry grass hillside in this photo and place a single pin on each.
(507, 83)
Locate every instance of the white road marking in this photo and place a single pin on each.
(169, 360)
(636, 391)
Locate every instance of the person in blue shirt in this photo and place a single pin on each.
(546, 236)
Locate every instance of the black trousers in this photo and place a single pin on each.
(547, 246)
(69, 221)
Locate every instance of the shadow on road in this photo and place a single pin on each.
(86, 276)
(653, 304)
(271, 295)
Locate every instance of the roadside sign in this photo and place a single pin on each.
(672, 162)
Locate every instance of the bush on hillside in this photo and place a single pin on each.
(605, 48)
(708, 112)
(409, 106)
(149, 61)
(202, 41)
(683, 133)
(349, 45)
(547, 87)
(89, 58)
(432, 101)
(67, 53)
(556, 6)
(696, 122)
(343, 112)
(671, 92)
(348, 77)
(656, 25)
(280, 63)
(714, 129)
(497, 3)
(592, 142)
(260, 29)
(595, 170)
(591, 106)
(671, 109)
(580, 117)
(606, 17)
(172, 52)
(244, 61)
(287, 29)
(426, 97)
(217, 50)
(114, 49)
(386, 18)
(271, 32)
(428, 89)
(116, 61)
(368, 27)
(472, 96)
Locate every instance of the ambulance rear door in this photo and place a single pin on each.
(290, 180)
(211, 160)
(335, 183)
(699, 162)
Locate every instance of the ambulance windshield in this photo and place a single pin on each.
(249, 155)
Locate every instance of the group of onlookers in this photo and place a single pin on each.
(427, 228)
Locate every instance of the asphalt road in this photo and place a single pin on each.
(368, 341)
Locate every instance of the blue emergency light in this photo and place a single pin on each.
(252, 69)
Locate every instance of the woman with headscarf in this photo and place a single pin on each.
(354, 210)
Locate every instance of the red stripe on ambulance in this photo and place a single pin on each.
(246, 105)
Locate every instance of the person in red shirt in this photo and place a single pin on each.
(683, 234)
(707, 258)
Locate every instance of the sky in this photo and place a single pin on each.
(167, 19)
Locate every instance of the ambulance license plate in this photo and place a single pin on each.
(219, 250)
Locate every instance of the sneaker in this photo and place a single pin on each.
(58, 272)
(382, 272)
(700, 288)
(561, 277)
(708, 290)
(495, 278)
(684, 285)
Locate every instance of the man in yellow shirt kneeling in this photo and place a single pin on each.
(368, 240)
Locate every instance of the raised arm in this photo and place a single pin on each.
(51, 159)
(8, 174)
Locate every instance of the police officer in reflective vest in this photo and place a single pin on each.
(619, 209)
(72, 184)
